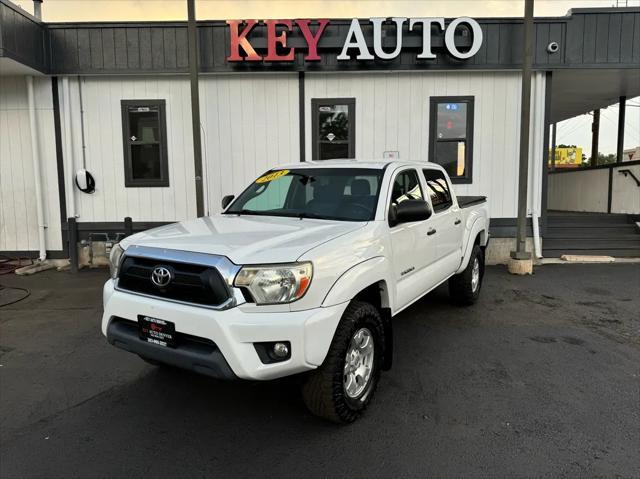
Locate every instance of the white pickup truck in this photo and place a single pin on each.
(301, 273)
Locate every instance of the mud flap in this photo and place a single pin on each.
(388, 339)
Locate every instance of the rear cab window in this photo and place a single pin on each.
(438, 189)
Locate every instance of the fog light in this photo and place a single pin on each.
(273, 351)
(280, 350)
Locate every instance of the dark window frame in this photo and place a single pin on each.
(129, 181)
(439, 208)
(315, 140)
(433, 125)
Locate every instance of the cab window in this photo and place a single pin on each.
(406, 186)
(438, 190)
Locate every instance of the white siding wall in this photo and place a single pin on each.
(588, 190)
(105, 156)
(579, 191)
(625, 193)
(249, 124)
(18, 217)
(392, 114)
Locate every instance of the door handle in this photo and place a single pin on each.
(457, 222)
(432, 231)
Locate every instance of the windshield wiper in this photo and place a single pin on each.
(245, 212)
(304, 214)
(314, 216)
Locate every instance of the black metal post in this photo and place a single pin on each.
(595, 137)
(128, 226)
(525, 111)
(72, 230)
(610, 190)
(192, 32)
(621, 119)
(301, 108)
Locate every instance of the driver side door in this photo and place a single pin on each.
(409, 244)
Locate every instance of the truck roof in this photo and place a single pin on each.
(351, 163)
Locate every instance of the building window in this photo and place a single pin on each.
(144, 131)
(451, 136)
(438, 190)
(334, 131)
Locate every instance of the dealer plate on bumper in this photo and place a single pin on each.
(157, 331)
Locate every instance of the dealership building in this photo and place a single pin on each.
(113, 99)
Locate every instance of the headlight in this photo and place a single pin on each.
(114, 259)
(278, 283)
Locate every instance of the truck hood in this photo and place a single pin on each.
(245, 239)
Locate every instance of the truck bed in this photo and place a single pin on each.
(466, 201)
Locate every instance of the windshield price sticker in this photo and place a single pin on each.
(272, 176)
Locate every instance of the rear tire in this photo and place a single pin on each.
(464, 287)
(333, 391)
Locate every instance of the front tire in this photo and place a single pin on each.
(341, 389)
(464, 287)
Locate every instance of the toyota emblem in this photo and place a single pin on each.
(161, 276)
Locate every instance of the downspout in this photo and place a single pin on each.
(68, 145)
(35, 157)
(537, 172)
(84, 145)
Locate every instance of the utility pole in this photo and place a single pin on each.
(521, 254)
(192, 32)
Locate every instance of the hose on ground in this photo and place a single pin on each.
(26, 294)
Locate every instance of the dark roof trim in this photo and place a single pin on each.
(20, 11)
(587, 38)
(23, 37)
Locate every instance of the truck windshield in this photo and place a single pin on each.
(346, 194)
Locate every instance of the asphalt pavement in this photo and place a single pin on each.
(539, 379)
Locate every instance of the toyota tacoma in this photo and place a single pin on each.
(302, 272)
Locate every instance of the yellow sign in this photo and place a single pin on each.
(272, 176)
(568, 157)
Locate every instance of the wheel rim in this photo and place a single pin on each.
(358, 363)
(475, 275)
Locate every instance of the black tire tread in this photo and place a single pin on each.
(323, 391)
(460, 285)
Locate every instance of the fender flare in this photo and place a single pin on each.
(359, 277)
(477, 227)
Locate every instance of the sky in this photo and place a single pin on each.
(91, 10)
(573, 131)
(577, 130)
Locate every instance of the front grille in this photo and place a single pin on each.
(190, 283)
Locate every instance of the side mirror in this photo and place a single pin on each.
(226, 200)
(409, 211)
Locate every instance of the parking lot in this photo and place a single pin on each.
(540, 378)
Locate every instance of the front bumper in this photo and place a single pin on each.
(199, 356)
(233, 333)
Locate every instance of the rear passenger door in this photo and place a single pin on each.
(447, 223)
